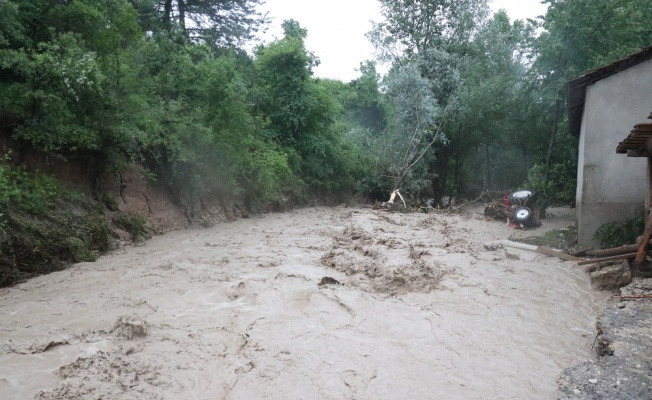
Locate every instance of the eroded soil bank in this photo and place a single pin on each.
(253, 309)
(623, 369)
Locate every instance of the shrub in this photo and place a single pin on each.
(44, 227)
(618, 233)
(560, 185)
(135, 224)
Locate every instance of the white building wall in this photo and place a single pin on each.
(611, 186)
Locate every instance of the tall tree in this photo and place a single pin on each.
(414, 26)
(488, 120)
(367, 107)
(578, 36)
(301, 111)
(55, 86)
(285, 71)
(222, 22)
(412, 129)
(435, 37)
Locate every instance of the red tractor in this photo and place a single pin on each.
(520, 209)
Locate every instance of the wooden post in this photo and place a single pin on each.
(648, 193)
(643, 246)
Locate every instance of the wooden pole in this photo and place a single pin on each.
(605, 259)
(616, 251)
(643, 246)
(648, 192)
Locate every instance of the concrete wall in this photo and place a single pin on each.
(610, 186)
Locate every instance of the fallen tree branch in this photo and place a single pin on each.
(471, 202)
(398, 181)
(393, 196)
(616, 251)
(582, 252)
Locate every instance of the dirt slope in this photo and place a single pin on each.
(242, 311)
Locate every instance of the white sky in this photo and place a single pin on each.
(336, 28)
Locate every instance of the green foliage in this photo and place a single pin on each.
(44, 227)
(413, 119)
(289, 96)
(558, 185)
(60, 86)
(30, 193)
(9, 25)
(554, 238)
(474, 68)
(61, 81)
(224, 22)
(416, 26)
(366, 106)
(135, 224)
(619, 233)
(301, 114)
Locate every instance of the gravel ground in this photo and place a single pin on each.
(623, 368)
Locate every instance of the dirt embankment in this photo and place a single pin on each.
(317, 303)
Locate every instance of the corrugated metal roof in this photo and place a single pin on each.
(576, 89)
(638, 143)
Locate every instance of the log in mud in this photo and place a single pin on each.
(319, 303)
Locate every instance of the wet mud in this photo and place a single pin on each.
(323, 303)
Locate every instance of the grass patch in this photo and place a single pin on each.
(561, 239)
(135, 224)
(44, 227)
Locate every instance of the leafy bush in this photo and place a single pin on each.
(31, 193)
(560, 185)
(135, 224)
(618, 233)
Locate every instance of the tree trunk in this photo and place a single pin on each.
(182, 15)
(457, 177)
(487, 168)
(167, 12)
(525, 157)
(551, 141)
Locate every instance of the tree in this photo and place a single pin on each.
(224, 22)
(489, 120)
(432, 38)
(285, 73)
(367, 106)
(415, 26)
(413, 127)
(302, 112)
(54, 88)
(475, 68)
(578, 36)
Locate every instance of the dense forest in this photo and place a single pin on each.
(473, 102)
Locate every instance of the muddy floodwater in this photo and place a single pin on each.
(319, 303)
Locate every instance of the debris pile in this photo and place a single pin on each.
(130, 327)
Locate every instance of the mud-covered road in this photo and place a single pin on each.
(252, 309)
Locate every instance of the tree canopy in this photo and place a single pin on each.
(473, 101)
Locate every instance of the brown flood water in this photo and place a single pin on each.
(237, 311)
